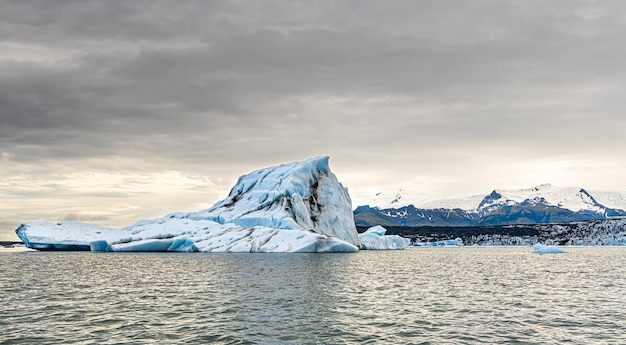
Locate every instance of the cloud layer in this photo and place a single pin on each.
(451, 97)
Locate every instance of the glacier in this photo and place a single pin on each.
(294, 207)
(374, 238)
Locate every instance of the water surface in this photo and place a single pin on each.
(415, 296)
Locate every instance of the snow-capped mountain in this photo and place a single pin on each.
(553, 194)
(537, 205)
(570, 198)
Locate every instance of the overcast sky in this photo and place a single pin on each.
(114, 111)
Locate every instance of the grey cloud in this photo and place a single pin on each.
(175, 81)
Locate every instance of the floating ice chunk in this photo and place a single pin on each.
(457, 242)
(545, 249)
(375, 238)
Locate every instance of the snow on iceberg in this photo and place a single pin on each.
(295, 207)
(375, 238)
(64, 235)
(545, 249)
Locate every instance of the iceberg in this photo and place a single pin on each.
(545, 249)
(457, 242)
(374, 238)
(294, 207)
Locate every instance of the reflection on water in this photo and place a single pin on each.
(426, 295)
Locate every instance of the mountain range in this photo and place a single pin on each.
(543, 204)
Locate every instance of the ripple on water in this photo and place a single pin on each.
(416, 296)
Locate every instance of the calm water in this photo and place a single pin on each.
(415, 296)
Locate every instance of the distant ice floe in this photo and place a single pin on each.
(457, 242)
(295, 207)
(374, 238)
(546, 249)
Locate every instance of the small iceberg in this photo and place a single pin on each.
(545, 249)
(457, 242)
(374, 238)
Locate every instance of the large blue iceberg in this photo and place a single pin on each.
(295, 207)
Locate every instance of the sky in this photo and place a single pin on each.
(116, 111)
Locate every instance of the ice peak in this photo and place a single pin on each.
(302, 195)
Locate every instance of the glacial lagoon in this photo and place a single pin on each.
(416, 296)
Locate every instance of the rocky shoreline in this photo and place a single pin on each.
(590, 233)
